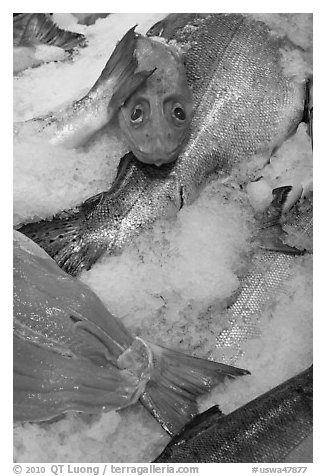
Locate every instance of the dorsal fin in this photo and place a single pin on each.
(121, 69)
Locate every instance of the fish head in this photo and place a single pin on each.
(155, 119)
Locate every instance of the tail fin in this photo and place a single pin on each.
(176, 382)
(63, 239)
(33, 28)
(271, 233)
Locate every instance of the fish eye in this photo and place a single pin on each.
(137, 115)
(178, 113)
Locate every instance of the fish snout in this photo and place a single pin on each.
(158, 151)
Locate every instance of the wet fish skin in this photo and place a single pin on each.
(162, 105)
(142, 95)
(77, 238)
(244, 105)
(272, 263)
(260, 287)
(71, 354)
(265, 430)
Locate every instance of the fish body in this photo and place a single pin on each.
(277, 426)
(271, 265)
(244, 104)
(266, 430)
(71, 354)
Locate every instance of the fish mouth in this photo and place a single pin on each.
(157, 159)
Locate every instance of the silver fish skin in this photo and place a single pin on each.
(142, 95)
(250, 434)
(73, 126)
(244, 105)
(71, 354)
(266, 430)
(271, 264)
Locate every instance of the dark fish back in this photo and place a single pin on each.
(265, 430)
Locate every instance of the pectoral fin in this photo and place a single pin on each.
(122, 62)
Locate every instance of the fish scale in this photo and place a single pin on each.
(268, 272)
(246, 95)
(244, 105)
(265, 430)
(265, 281)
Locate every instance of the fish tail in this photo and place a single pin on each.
(63, 239)
(31, 28)
(176, 382)
(271, 234)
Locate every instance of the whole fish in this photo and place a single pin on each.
(266, 430)
(71, 354)
(32, 29)
(244, 105)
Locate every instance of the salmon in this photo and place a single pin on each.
(273, 428)
(245, 104)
